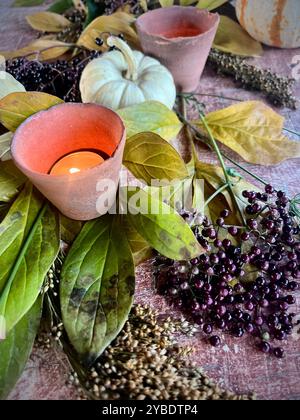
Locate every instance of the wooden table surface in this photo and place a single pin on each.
(237, 365)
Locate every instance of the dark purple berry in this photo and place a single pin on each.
(269, 189)
(265, 347)
(208, 329)
(215, 341)
(279, 353)
(233, 231)
(225, 213)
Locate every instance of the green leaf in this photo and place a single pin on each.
(69, 229)
(97, 287)
(61, 6)
(17, 107)
(210, 4)
(29, 243)
(27, 3)
(94, 10)
(11, 179)
(153, 117)
(4, 207)
(161, 226)
(232, 38)
(149, 157)
(176, 194)
(140, 248)
(5, 143)
(16, 348)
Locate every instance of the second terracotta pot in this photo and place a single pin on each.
(180, 38)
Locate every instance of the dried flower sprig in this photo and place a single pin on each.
(146, 363)
(278, 90)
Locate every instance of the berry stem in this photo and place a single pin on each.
(292, 131)
(188, 132)
(210, 95)
(39, 52)
(244, 169)
(238, 165)
(221, 160)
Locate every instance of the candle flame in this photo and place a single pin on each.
(74, 170)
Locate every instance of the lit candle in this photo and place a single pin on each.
(68, 138)
(76, 162)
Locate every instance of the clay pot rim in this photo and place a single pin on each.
(77, 176)
(158, 37)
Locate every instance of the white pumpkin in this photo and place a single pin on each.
(123, 78)
(273, 22)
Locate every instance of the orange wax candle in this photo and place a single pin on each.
(76, 162)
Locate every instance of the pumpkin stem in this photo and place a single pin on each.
(132, 73)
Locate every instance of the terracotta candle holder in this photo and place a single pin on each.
(180, 38)
(43, 139)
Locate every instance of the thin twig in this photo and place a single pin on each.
(213, 196)
(221, 160)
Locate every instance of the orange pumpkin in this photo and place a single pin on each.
(273, 22)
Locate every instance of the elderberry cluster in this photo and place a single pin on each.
(60, 78)
(245, 281)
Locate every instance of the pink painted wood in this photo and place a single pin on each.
(236, 365)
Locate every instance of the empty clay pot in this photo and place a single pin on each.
(49, 135)
(180, 38)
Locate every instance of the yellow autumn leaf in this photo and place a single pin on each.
(141, 250)
(254, 131)
(44, 49)
(232, 38)
(48, 22)
(17, 107)
(210, 4)
(214, 179)
(187, 2)
(149, 157)
(144, 5)
(166, 3)
(153, 117)
(115, 24)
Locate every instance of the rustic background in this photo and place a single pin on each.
(237, 365)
